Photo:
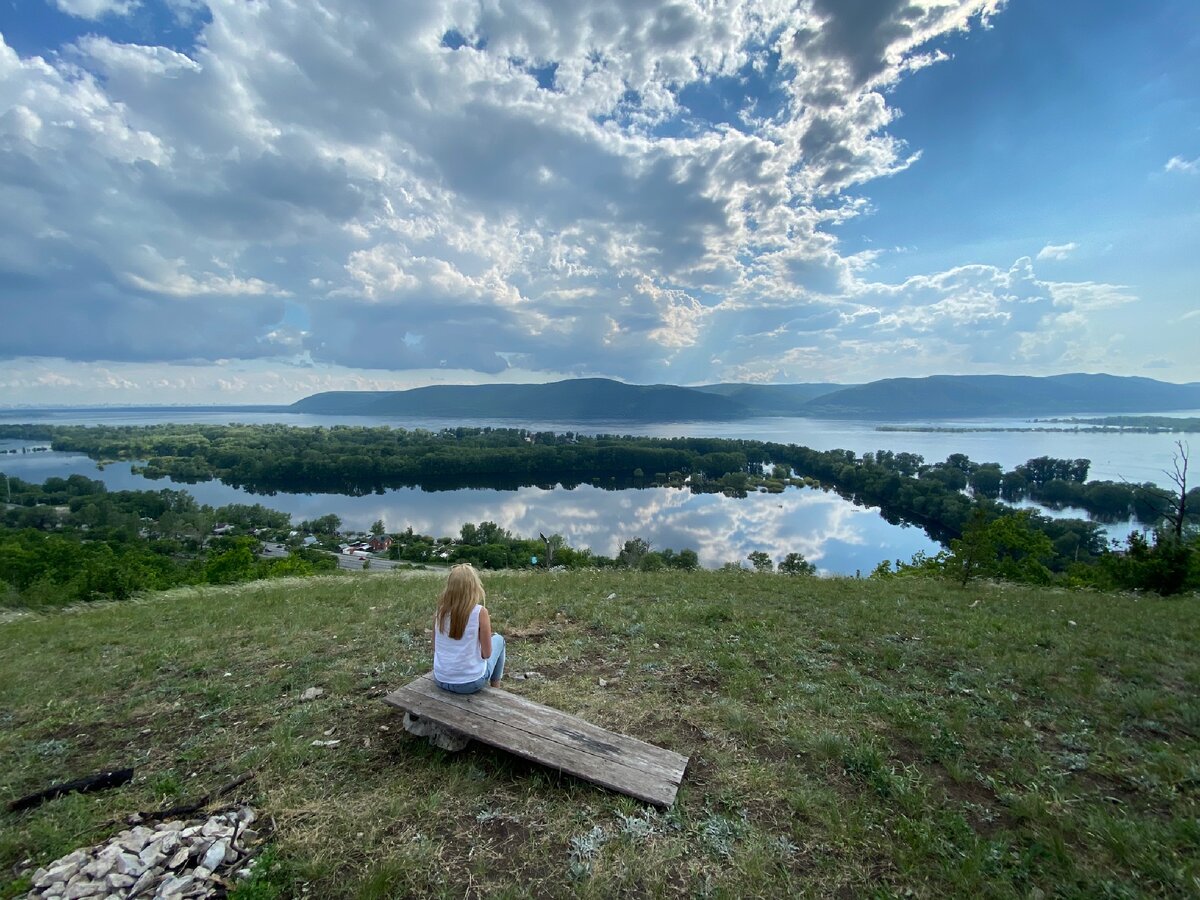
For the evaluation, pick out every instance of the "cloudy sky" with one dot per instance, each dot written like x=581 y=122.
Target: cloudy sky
x=236 y=201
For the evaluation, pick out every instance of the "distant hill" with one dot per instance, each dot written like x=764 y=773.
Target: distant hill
x=579 y=399
x=934 y=397
x=942 y=396
x=772 y=399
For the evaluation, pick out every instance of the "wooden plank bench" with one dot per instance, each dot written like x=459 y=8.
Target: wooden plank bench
x=549 y=737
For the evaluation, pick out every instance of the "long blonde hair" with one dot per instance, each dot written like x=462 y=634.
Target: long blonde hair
x=463 y=590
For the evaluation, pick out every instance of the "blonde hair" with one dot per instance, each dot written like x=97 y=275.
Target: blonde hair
x=463 y=590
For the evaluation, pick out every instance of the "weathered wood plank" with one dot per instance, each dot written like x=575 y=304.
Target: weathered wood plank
x=571 y=730
x=550 y=737
x=552 y=750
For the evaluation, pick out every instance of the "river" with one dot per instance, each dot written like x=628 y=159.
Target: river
x=837 y=536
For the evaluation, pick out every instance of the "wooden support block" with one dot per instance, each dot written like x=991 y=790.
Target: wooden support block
x=549 y=737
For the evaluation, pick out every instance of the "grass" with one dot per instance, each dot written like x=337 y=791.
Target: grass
x=847 y=737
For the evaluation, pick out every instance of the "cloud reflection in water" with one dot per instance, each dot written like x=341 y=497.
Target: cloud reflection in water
x=837 y=536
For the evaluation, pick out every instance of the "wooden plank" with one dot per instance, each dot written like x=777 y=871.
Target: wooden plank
x=550 y=737
x=555 y=738
x=536 y=717
x=554 y=750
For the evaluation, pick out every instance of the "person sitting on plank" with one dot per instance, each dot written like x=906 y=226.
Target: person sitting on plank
x=466 y=654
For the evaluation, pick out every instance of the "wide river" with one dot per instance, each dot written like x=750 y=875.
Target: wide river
x=831 y=532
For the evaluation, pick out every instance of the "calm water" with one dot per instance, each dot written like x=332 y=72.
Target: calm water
x=831 y=532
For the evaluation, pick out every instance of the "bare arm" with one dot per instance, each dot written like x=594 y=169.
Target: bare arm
x=485 y=634
x=435 y=628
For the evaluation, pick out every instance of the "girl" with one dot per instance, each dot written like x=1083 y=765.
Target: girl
x=466 y=655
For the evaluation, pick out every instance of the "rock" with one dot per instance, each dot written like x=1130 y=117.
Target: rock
x=247 y=815
x=174 y=887
x=248 y=836
x=180 y=857
x=151 y=856
x=312 y=694
x=602 y=682
x=438 y=735
x=201 y=874
x=65 y=869
x=145 y=880
x=213 y=828
x=175 y=825
x=325 y=743
x=168 y=843
x=215 y=855
x=40 y=878
x=96 y=869
x=190 y=831
x=83 y=889
x=115 y=880
x=128 y=864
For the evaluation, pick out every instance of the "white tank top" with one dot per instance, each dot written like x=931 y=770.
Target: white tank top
x=459 y=662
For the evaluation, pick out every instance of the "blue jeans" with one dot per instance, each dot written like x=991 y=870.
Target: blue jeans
x=493 y=672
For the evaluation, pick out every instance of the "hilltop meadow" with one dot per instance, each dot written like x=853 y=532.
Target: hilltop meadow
x=847 y=737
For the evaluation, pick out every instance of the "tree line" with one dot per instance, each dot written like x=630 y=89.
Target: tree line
x=943 y=498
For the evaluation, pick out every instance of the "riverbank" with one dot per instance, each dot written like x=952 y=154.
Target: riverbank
x=845 y=735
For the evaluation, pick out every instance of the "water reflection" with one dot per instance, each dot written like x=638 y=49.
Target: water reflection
x=831 y=532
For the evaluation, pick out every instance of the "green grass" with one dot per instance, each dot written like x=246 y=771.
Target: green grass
x=846 y=737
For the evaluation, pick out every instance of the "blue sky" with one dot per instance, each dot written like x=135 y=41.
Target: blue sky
x=232 y=202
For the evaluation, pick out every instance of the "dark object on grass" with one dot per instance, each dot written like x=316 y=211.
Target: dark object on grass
x=186 y=809
x=97 y=782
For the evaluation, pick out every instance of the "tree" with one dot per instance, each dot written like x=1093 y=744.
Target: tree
x=761 y=561
x=974 y=551
x=1007 y=547
x=231 y=565
x=377 y=528
x=986 y=480
x=324 y=525
x=632 y=552
x=796 y=564
x=1177 y=505
x=553 y=544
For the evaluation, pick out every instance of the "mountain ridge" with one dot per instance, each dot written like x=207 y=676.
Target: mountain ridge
x=934 y=396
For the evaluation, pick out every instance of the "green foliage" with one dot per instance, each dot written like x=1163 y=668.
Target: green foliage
x=1161 y=563
x=796 y=564
x=358 y=460
x=327 y=524
x=1006 y=547
x=761 y=561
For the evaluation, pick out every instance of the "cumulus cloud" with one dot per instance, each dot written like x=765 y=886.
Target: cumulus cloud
x=95 y=9
x=1057 y=251
x=476 y=187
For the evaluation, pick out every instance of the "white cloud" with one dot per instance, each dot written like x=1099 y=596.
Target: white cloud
x=541 y=197
x=1057 y=251
x=1179 y=164
x=95 y=9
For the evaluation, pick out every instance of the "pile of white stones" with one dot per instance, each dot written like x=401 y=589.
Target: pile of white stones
x=172 y=861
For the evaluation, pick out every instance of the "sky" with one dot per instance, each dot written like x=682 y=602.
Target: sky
x=249 y=201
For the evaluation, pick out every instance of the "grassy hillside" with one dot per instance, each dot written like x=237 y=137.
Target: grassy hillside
x=846 y=737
